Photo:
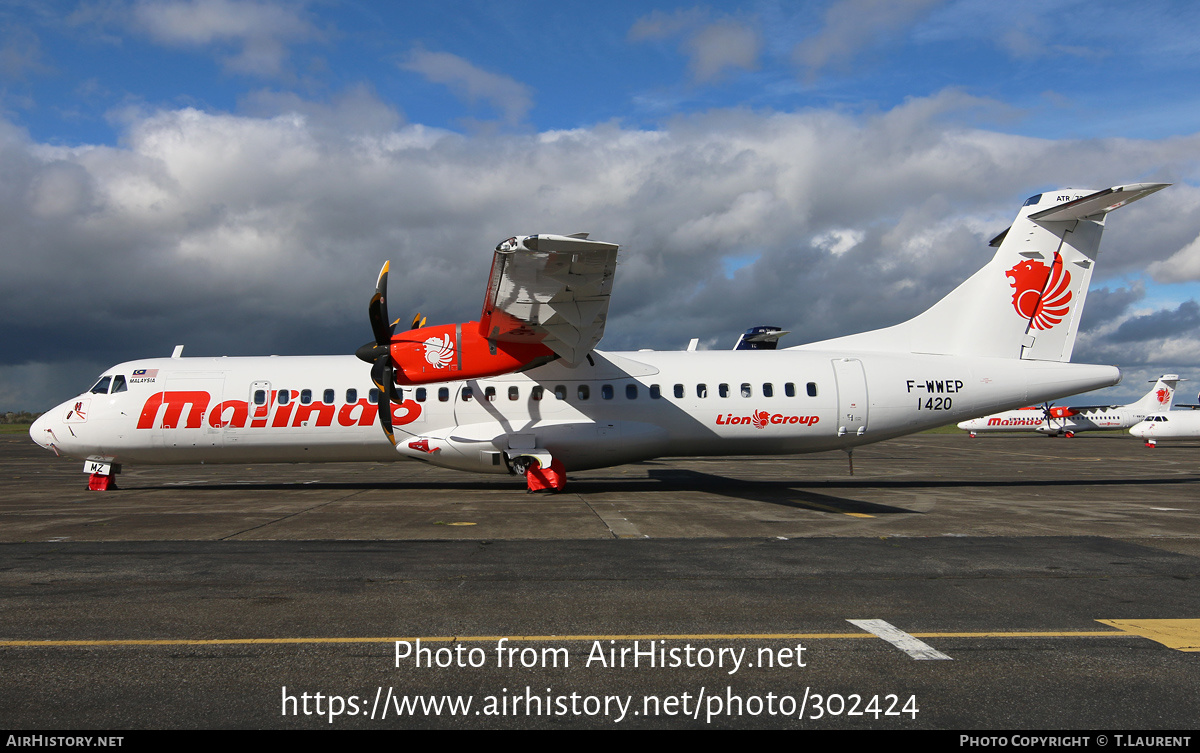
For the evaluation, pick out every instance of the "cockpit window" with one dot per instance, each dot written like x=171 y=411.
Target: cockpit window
x=118 y=384
x=1032 y=200
x=101 y=387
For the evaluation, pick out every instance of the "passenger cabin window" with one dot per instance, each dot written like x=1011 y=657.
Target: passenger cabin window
x=768 y=390
x=606 y=391
x=118 y=384
x=284 y=396
x=723 y=390
x=679 y=390
x=631 y=392
x=746 y=391
x=373 y=396
x=490 y=394
x=655 y=392
x=536 y=392
x=422 y=394
x=789 y=389
x=327 y=397
x=812 y=389
x=351 y=395
x=260 y=397
x=443 y=394
x=305 y=397
x=560 y=392
x=514 y=393
x=466 y=394
x=101 y=387
x=702 y=390
x=584 y=392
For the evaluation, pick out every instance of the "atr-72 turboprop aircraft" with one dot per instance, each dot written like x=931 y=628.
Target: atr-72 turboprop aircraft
x=524 y=383
x=1064 y=420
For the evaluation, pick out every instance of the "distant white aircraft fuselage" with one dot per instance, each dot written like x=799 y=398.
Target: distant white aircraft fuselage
x=1176 y=424
x=449 y=395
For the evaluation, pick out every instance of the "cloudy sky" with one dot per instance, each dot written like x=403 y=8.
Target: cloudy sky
x=231 y=174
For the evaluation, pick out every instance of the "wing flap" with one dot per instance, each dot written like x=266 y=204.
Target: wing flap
x=552 y=289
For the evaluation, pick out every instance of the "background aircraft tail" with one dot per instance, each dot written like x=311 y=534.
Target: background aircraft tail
x=1026 y=302
x=1161 y=396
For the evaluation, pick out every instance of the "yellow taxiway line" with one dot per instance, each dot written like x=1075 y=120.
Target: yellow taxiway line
x=1183 y=635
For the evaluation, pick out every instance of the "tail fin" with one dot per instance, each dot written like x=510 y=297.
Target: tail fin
x=1026 y=302
x=1162 y=395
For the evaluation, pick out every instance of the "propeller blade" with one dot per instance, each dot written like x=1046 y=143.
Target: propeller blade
x=377 y=309
x=418 y=321
x=385 y=420
x=381 y=375
x=378 y=354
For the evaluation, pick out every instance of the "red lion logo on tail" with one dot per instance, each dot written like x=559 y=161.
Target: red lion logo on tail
x=1029 y=278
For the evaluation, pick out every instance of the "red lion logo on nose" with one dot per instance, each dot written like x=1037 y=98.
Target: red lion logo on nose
x=1043 y=309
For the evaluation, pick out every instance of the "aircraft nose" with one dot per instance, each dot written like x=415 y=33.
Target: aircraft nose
x=39 y=431
x=1138 y=431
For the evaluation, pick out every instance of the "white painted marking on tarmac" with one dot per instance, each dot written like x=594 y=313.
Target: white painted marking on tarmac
x=914 y=647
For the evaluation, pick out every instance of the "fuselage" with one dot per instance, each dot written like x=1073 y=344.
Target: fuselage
x=615 y=408
x=1034 y=419
x=1176 y=424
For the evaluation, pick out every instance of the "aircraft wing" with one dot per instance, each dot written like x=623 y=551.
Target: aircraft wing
x=550 y=289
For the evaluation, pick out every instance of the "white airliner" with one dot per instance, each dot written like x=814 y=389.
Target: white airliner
x=1062 y=420
x=524 y=383
x=1176 y=424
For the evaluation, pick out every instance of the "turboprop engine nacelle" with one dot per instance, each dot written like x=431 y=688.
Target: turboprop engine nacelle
x=458 y=351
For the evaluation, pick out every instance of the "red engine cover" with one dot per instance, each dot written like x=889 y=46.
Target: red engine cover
x=457 y=351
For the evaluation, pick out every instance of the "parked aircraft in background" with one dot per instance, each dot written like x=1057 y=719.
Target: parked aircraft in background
x=1062 y=420
x=1176 y=424
x=523 y=387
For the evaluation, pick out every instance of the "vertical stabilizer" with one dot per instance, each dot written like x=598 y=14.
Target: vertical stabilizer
x=1026 y=302
x=1161 y=396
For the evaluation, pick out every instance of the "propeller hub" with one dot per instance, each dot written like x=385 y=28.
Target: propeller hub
x=371 y=351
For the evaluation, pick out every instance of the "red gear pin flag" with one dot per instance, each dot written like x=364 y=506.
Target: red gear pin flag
x=552 y=479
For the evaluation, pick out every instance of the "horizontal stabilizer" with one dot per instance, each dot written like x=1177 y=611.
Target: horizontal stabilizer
x=1100 y=202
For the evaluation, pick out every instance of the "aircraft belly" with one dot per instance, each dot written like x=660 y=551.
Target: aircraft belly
x=578 y=444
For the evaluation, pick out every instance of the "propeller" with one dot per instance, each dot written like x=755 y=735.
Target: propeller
x=378 y=353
